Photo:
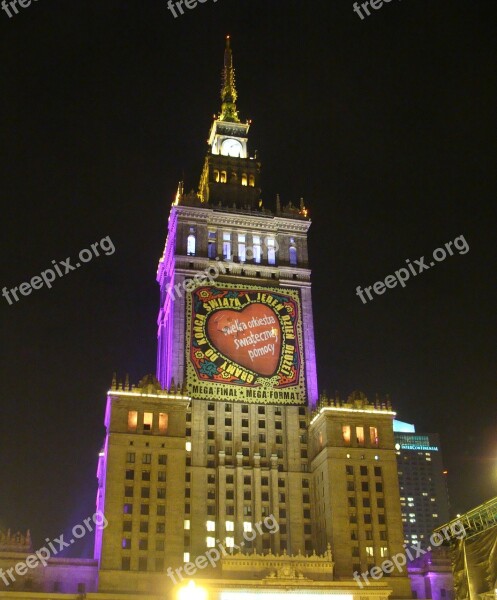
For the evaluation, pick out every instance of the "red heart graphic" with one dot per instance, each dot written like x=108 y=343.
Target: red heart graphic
x=250 y=337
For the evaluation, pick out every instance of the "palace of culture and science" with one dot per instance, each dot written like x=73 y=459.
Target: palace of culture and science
x=227 y=467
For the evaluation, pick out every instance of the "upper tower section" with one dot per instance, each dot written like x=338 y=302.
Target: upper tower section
x=230 y=177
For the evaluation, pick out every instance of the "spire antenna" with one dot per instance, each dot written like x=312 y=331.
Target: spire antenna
x=228 y=89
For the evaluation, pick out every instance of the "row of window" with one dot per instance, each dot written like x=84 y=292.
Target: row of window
x=351 y=487
x=145 y=475
x=146 y=458
x=366 y=502
x=245 y=252
x=368 y=534
x=363 y=470
x=367 y=519
x=145 y=508
x=357 y=433
x=222 y=177
x=146 y=422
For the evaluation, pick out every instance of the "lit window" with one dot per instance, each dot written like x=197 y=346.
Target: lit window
x=241 y=247
x=256 y=239
x=373 y=434
x=190 y=245
x=247 y=526
x=132 y=420
x=369 y=551
x=163 y=420
x=187 y=524
x=244 y=179
x=384 y=552
x=216 y=175
x=346 y=435
x=210 y=541
x=227 y=245
x=188 y=446
x=223 y=176
x=211 y=525
x=211 y=246
x=186 y=557
x=360 y=435
x=230 y=542
x=271 y=251
x=230 y=526
x=148 y=419
x=293 y=255
x=251 y=180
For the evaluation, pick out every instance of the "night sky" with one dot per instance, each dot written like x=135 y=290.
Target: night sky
x=386 y=126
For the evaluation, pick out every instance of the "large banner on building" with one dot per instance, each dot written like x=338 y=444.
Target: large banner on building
x=244 y=344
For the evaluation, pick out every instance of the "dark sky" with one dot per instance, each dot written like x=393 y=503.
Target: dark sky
x=385 y=126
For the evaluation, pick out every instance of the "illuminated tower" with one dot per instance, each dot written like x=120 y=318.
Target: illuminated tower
x=235 y=324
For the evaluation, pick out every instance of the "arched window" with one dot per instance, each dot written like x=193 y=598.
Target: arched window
x=216 y=175
x=223 y=176
x=190 y=245
x=251 y=180
x=293 y=255
x=244 y=178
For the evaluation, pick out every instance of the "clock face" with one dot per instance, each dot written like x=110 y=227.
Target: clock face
x=231 y=147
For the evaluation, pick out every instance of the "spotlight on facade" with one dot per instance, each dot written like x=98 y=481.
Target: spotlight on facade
x=192 y=592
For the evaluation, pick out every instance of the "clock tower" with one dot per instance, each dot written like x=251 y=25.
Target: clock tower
x=230 y=176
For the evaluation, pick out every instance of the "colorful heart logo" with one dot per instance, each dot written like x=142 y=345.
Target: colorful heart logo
x=250 y=337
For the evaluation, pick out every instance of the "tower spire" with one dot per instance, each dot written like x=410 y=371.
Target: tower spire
x=228 y=90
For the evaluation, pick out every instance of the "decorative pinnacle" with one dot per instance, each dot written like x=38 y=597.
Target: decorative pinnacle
x=228 y=89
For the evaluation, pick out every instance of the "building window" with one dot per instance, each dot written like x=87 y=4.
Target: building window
x=130 y=457
x=125 y=565
x=148 y=419
x=346 y=434
x=359 y=431
x=367 y=518
x=162 y=459
x=128 y=509
x=223 y=177
x=126 y=544
x=210 y=542
x=364 y=470
x=161 y=493
x=293 y=255
x=377 y=471
x=130 y=474
x=132 y=421
x=256 y=240
x=144 y=509
x=143 y=544
x=147 y=459
x=379 y=487
x=373 y=435
x=251 y=180
x=145 y=475
x=271 y=251
x=161 y=476
x=365 y=486
x=212 y=245
x=163 y=420
x=145 y=492
x=241 y=247
x=227 y=245
x=230 y=542
x=128 y=491
x=190 y=243
x=244 y=179
x=142 y=563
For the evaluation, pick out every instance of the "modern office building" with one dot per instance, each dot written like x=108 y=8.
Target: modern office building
x=422 y=479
